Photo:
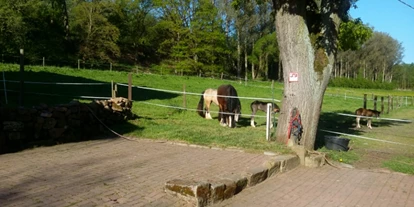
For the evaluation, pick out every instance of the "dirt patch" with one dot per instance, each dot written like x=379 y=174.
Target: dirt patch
x=373 y=159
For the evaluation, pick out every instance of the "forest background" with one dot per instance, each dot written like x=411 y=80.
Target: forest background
x=236 y=38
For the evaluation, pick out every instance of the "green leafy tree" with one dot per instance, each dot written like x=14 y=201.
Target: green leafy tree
x=265 y=50
x=97 y=36
x=353 y=34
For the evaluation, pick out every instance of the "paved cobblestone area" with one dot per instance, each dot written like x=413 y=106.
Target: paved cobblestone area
x=328 y=186
x=113 y=172
x=118 y=172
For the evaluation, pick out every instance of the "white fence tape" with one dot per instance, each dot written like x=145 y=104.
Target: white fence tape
x=362 y=137
x=399 y=120
x=197 y=94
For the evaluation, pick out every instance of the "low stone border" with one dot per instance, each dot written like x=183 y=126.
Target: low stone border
x=203 y=193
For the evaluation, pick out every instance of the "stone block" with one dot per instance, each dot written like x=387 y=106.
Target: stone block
x=230 y=188
x=256 y=175
x=273 y=167
x=216 y=192
x=239 y=180
x=315 y=160
x=49 y=123
x=287 y=162
x=13 y=126
x=194 y=192
x=301 y=152
x=56 y=132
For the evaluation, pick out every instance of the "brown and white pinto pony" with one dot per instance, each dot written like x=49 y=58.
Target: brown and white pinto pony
x=368 y=113
x=208 y=96
x=229 y=104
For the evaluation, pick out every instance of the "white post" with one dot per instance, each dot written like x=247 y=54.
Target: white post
x=268 y=121
x=5 y=90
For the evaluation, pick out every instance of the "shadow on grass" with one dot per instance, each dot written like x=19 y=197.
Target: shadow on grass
x=343 y=124
x=52 y=94
x=35 y=94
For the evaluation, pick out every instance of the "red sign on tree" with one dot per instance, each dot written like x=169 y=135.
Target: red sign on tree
x=293 y=77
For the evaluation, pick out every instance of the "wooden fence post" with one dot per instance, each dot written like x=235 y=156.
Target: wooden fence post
x=389 y=103
x=392 y=103
x=130 y=86
x=43 y=62
x=397 y=103
x=110 y=66
x=375 y=102
x=112 y=89
x=184 y=98
x=382 y=104
x=78 y=63
x=365 y=101
x=21 y=77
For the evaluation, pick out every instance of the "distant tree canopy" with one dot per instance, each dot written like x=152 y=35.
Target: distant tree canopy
x=236 y=37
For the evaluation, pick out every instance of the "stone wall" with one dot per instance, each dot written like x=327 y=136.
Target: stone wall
x=21 y=128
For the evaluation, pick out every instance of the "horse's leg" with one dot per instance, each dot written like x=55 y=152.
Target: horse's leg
x=252 y=119
x=221 y=116
x=357 y=122
x=230 y=121
x=271 y=120
x=208 y=116
x=369 y=124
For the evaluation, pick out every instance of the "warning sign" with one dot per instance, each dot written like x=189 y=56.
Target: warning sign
x=293 y=77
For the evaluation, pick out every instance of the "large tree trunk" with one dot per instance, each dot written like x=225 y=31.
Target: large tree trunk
x=298 y=55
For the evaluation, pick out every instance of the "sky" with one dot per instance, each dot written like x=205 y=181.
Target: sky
x=392 y=17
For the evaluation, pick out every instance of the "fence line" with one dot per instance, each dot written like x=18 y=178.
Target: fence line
x=398 y=120
x=368 y=138
x=197 y=94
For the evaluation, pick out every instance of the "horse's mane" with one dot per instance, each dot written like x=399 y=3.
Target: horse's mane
x=232 y=103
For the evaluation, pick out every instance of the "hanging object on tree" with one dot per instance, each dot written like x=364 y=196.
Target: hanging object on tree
x=295 y=128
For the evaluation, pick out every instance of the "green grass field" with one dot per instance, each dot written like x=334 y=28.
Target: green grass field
x=179 y=121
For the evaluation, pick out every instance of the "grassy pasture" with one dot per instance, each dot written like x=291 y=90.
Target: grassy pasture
x=184 y=125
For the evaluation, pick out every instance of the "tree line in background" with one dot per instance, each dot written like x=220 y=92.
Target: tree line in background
x=189 y=36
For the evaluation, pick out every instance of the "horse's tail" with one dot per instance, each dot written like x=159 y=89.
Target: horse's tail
x=200 y=106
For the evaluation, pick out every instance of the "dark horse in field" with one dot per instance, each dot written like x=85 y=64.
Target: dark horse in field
x=229 y=104
x=367 y=113
x=261 y=106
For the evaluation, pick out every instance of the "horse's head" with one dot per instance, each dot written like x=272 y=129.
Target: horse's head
x=276 y=108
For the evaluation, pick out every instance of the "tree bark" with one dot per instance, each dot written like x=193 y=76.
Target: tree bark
x=298 y=55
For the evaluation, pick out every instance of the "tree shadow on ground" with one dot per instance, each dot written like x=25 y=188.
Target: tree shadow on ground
x=332 y=121
x=54 y=90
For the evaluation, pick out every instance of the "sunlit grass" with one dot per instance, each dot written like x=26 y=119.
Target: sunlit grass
x=184 y=125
